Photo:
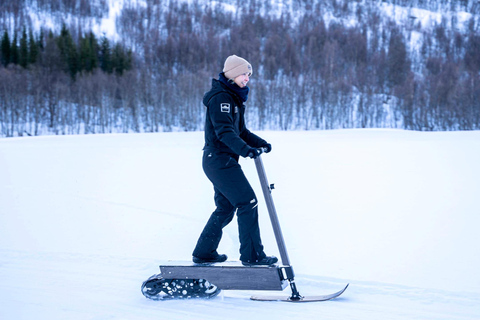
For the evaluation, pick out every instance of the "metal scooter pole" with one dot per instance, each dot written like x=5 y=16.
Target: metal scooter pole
x=267 y=189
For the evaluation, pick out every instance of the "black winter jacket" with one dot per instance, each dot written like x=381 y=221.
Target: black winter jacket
x=225 y=128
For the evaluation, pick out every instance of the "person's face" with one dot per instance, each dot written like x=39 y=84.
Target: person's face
x=242 y=80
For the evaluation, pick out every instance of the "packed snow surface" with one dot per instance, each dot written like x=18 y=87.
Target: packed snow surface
x=84 y=220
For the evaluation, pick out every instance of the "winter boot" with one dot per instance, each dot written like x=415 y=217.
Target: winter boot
x=214 y=259
x=267 y=261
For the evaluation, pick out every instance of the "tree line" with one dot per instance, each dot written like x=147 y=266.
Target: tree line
x=309 y=73
x=62 y=52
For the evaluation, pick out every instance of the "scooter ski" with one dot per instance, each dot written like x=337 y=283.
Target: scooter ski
x=188 y=280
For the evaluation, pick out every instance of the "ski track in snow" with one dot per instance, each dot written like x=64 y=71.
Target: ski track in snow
x=84 y=220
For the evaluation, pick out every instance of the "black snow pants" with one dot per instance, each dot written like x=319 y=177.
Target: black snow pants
x=232 y=193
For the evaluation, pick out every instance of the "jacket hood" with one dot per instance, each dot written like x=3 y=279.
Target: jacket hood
x=217 y=87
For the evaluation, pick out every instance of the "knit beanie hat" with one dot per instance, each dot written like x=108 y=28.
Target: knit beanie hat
x=235 y=66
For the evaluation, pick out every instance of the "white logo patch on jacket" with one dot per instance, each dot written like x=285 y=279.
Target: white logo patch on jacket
x=225 y=107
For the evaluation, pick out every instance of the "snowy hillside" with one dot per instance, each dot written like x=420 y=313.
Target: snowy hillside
x=105 y=66
x=103 y=16
x=85 y=219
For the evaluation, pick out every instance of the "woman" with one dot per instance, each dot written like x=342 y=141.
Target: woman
x=226 y=139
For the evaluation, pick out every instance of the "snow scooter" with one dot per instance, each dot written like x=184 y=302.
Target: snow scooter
x=188 y=280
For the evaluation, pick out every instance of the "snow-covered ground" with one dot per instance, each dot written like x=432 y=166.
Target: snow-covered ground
x=84 y=220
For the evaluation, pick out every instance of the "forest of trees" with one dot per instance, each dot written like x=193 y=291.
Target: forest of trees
x=309 y=72
x=63 y=54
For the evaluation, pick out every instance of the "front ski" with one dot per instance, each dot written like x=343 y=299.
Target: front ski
x=158 y=288
x=300 y=299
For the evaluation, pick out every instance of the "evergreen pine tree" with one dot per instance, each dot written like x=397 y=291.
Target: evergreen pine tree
x=23 y=57
x=68 y=52
x=88 y=53
x=84 y=55
x=129 y=60
x=33 y=49
x=105 y=56
x=121 y=59
x=93 y=51
x=14 y=54
x=41 y=41
x=5 y=49
x=118 y=59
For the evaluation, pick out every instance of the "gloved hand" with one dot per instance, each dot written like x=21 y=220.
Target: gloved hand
x=254 y=153
x=267 y=147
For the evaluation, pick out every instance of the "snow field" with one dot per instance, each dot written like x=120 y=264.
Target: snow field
x=84 y=220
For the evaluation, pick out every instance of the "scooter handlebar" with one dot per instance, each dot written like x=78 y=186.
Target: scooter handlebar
x=259 y=151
